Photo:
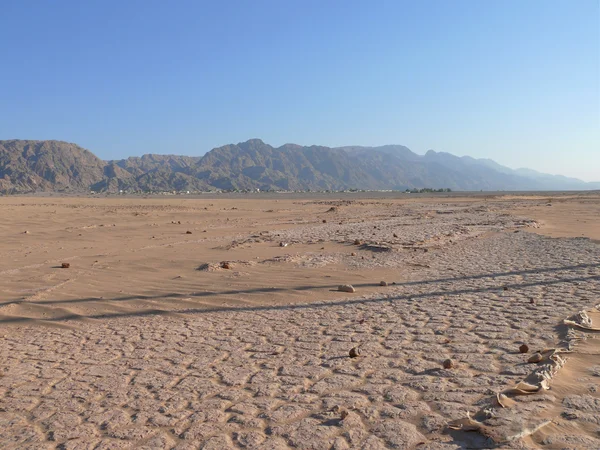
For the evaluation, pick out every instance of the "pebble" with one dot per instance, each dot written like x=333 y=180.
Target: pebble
x=524 y=348
x=354 y=352
x=225 y=265
x=448 y=364
x=346 y=288
x=65 y=265
x=535 y=358
x=188 y=232
x=383 y=283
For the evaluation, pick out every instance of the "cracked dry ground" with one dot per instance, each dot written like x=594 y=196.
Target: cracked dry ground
x=279 y=376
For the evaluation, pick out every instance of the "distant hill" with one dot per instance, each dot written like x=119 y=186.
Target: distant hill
x=38 y=166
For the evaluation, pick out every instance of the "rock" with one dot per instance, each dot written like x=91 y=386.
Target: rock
x=283 y=244
x=354 y=352
x=25 y=232
x=346 y=288
x=535 y=358
x=357 y=242
x=225 y=265
x=65 y=265
x=188 y=232
x=395 y=235
x=324 y=221
x=524 y=348
x=383 y=283
x=449 y=364
x=352 y=254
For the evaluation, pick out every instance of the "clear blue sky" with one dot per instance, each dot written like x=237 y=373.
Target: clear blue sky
x=516 y=81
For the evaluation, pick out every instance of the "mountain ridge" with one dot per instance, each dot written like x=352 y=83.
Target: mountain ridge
x=42 y=166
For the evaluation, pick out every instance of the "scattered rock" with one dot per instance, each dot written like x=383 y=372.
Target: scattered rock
x=65 y=265
x=354 y=352
x=524 y=348
x=383 y=283
x=535 y=358
x=449 y=364
x=346 y=288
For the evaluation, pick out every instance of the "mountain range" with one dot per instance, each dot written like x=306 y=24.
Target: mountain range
x=43 y=166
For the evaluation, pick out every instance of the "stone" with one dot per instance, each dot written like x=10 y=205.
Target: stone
x=65 y=265
x=449 y=364
x=346 y=288
x=524 y=348
x=383 y=283
x=188 y=232
x=357 y=242
x=535 y=358
x=225 y=265
x=354 y=352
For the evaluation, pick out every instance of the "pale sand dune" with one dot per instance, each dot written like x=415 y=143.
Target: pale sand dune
x=147 y=341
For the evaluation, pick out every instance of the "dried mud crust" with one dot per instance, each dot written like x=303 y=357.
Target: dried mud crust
x=400 y=226
x=280 y=376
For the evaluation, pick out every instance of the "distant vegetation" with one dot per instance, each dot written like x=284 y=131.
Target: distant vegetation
x=427 y=190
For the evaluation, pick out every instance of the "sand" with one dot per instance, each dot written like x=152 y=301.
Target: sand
x=216 y=322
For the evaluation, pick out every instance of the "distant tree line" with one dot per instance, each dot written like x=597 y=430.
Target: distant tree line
x=427 y=190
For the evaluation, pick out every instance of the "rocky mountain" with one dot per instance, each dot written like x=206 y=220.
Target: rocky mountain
x=27 y=166
x=35 y=166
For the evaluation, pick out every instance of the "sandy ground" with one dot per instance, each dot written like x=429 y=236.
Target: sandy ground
x=205 y=323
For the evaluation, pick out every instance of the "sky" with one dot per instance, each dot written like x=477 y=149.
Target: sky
x=516 y=81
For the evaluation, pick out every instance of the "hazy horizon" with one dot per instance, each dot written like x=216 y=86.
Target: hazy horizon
x=515 y=82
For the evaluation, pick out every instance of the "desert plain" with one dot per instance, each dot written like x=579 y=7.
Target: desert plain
x=216 y=322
